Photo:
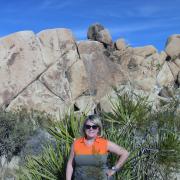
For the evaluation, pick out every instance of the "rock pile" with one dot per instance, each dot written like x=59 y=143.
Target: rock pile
x=51 y=72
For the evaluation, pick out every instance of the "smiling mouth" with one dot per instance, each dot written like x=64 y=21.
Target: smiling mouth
x=92 y=132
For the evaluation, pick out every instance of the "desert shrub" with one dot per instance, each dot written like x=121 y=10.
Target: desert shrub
x=16 y=127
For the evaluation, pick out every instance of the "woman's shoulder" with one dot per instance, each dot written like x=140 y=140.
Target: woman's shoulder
x=101 y=139
x=79 y=139
x=78 y=142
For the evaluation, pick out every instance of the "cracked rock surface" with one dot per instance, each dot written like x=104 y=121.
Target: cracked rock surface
x=50 y=71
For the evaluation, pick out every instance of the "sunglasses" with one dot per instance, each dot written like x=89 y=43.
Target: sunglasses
x=89 y=126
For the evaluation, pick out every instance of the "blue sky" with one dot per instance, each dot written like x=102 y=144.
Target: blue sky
x=139 y=22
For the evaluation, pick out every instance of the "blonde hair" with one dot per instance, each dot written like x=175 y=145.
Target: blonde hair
x=95 y=120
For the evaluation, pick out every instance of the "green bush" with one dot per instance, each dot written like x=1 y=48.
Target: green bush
x=16 y=127
x=152 y=138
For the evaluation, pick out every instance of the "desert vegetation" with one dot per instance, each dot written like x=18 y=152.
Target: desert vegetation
x=151 y=136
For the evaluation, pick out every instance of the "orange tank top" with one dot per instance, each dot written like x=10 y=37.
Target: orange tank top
x=99 y=146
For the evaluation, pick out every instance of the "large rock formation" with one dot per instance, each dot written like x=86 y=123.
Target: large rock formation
x=51 y=72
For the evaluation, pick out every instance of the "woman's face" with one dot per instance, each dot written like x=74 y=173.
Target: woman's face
x=91 y=129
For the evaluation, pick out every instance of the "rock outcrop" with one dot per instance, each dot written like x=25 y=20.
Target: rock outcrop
x=21 y=63
x=97 y=32
x=51 y=72
x=173 y=46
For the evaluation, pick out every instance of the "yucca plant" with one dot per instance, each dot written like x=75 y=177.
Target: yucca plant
x=51 y=164
x=68 y=128
x=153 y=155
x=125 y=126
x=165 y=141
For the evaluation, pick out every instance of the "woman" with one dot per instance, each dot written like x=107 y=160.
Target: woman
x=88 y=154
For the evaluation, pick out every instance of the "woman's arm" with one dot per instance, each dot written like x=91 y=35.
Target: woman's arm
x=121 y=152
x=69 y=168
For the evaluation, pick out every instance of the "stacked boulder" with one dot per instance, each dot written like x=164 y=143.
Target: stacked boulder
x=52 y=72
